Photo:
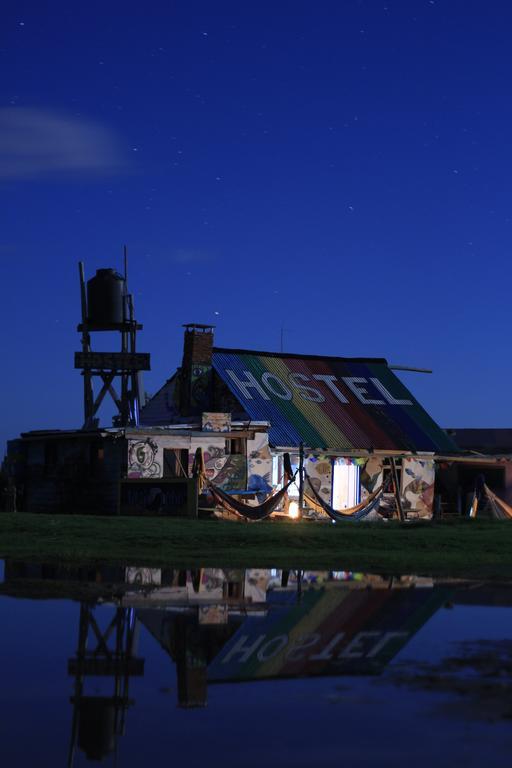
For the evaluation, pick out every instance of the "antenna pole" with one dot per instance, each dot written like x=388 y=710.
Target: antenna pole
x=82 y=291
x=86 y=347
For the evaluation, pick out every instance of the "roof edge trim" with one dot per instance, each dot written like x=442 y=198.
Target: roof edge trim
x=225 y=350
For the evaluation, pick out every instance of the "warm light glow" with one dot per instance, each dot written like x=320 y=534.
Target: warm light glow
x=293 y=510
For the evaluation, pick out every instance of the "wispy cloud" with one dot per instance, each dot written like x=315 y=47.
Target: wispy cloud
x=190 y=256
x=34 y=142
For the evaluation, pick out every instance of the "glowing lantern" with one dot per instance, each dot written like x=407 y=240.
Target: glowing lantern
x=293 y=510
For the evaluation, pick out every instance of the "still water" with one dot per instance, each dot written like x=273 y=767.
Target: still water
x=154 y=667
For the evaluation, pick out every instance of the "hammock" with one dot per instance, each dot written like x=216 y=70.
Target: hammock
x=257 y=512
x=351 y=514
x=500 y=509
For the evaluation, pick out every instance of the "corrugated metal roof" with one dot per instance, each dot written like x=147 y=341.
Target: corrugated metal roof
x=328 y=402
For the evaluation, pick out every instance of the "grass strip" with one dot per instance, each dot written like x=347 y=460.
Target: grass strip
x=462 y=548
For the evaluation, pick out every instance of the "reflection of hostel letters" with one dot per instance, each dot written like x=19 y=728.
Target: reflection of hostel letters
x=363 y=645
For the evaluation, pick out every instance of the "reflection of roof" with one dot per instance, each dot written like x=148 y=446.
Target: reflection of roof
x=329 y=402
x=337 y=631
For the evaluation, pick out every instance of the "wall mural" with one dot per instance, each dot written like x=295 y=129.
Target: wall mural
x=319 y=469
x=371 y=476
x=418 y=476
x=233 y=475
x=215 y=422
x=200 y=383
x=259 y=465
x=214 y=455
x=137 y=575
x=209 y=585
x=228 y=472
x=256 y=584
x=142 y=459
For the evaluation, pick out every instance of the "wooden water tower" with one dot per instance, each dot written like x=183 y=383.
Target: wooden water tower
x=108 y=307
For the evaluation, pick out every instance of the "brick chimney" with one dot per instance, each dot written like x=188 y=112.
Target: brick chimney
x=196 y=370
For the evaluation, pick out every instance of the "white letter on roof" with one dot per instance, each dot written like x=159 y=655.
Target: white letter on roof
x=244 y=386
x=355 y=384
x=387 y=394
x=329 y=380
x=271 y=382
x=307 y=393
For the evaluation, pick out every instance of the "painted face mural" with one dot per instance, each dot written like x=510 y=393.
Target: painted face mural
x=200 y=386
x=142 y=459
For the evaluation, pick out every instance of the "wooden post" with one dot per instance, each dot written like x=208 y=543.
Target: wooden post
x=299 y=586
x=301 y=478
x=192 y=497
x=397 y=489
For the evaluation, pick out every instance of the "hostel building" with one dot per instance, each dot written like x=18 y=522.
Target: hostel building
x=350 y=415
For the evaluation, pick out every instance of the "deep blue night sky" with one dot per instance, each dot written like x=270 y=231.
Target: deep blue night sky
x=339 y=168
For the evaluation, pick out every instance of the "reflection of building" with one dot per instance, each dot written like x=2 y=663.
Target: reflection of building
x=106 y=652
x=329 y=628
x=221 y=626
x=231 y=625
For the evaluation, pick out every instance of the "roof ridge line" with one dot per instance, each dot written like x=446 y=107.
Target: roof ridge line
x=381 y=360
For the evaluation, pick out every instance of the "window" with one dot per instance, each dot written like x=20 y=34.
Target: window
x=235 y=446
x=276 y=471
x=175 y=462
x=345 y=485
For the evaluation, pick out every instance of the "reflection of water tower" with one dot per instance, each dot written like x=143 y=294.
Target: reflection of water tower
x=107 y=306
x=107 y=653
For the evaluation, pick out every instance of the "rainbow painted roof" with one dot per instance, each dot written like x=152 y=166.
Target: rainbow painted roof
x=329 y=402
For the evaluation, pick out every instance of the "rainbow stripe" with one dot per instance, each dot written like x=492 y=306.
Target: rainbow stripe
x=329 y=403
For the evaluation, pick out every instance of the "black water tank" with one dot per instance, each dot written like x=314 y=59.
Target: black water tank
x=96 y=727
x=105 y=298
